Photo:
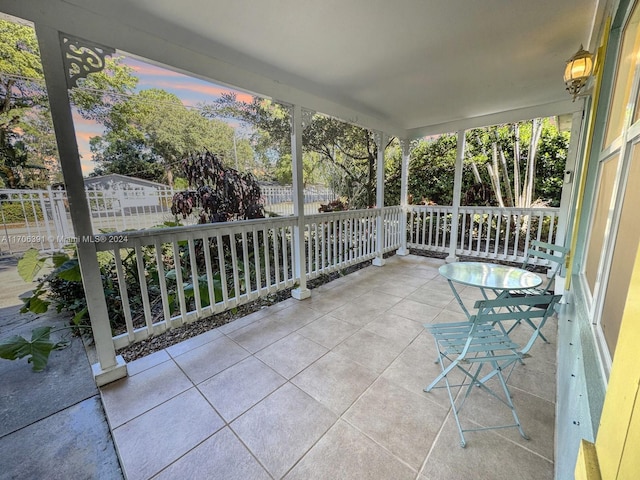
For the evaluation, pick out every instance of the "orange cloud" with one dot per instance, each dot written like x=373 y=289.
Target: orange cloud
x=203 y=89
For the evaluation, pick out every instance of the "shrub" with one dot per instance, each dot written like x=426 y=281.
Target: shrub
x=15 y=212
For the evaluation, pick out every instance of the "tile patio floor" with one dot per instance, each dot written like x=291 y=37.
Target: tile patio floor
x=330 y=387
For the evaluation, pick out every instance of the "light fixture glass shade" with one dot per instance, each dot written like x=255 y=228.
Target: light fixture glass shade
x=578 y=70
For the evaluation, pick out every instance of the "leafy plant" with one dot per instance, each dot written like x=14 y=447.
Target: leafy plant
x=222 y=193
x=63 y=285
x=37 y=349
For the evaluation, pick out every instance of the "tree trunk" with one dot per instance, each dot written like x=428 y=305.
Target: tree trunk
x=507 y=180
x=494 y=173
x=517 y=192
x=536 y=131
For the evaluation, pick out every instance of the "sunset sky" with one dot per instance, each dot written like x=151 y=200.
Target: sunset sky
x=190 y=90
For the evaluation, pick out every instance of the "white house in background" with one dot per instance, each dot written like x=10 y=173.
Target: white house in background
x=132 y=193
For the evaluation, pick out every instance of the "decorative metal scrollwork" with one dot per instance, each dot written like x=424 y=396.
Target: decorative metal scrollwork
x=82 y=57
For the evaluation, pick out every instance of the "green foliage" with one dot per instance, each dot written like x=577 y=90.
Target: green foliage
x=149 y=132
x=432 y=165
x=222 y=194
x=28 y=151
x=37 y=349
x=342 y=154
x=15 y=212
x=62 y=285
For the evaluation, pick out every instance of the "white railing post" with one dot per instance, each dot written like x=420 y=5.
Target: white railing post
x=378 y=261
x=297 y=125
x=404 y=196
x=457 y=194
x=58 y=79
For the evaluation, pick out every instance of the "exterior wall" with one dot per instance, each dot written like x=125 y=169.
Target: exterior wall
x=596 y=403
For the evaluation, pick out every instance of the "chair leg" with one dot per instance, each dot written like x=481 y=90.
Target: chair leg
x=510 y=402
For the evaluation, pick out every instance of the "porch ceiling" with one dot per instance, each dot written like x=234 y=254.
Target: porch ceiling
x=408 y=67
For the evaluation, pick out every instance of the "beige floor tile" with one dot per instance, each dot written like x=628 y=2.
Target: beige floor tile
x=281 y=428
x=404 y=423
x=449 y=316
x=416 y=311
x=262 y=333
x=194 y=342
x=537 y=417
x=205 y=361
x=356 y=313
x=345 y=453
x=132 y=396
x=291 y=355
x=146 y=362
x=326 y=300
x=487 y=455
x=393 y=287
x=431 y=297
x=394 y=327
x=296 y=316
x=438 y=284
x=406 y=278
x=535 y=377
x=335 y=381
x=415 y=368
x=221 y=456
x=370 y=350
x=328 y=331
x=152 y=441
x=238 y=388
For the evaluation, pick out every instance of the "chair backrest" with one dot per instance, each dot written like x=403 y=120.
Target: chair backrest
x=517 y=309
x=555 y=254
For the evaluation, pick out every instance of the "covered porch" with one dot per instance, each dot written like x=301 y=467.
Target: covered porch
x=329 y=387
x=460 y=86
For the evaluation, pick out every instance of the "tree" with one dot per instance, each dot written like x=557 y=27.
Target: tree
x=348 y=151
x=510 y=154
x=28 y=151
x=489 y=167
x=222 y=193
x=158 y=129
x=24 y=109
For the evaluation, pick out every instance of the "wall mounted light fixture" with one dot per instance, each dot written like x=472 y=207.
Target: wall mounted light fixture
x=578 y=70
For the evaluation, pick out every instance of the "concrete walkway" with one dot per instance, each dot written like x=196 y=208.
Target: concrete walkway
x=52 y=425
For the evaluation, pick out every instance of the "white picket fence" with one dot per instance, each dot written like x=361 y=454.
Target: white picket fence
x=40 y=218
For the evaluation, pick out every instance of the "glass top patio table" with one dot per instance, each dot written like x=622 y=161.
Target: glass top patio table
x=487 y=276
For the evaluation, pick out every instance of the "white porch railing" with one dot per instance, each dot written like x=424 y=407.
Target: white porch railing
x=169 y=277
x=487 y=232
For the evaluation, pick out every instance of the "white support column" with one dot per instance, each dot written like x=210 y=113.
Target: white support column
x=457 y=194
x=378 y=261
x=404 y=196
x=297 y=125
x=57 y=77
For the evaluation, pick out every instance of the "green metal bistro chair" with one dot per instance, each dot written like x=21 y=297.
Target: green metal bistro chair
x=481 y=350
x=537 y=251
x=555 y=255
